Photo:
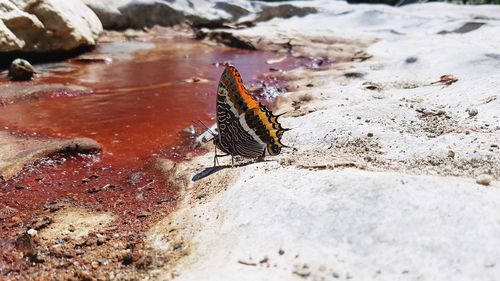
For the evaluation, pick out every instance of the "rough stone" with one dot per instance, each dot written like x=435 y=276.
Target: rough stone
x=17 y=28
x=122 y=14
x=47 y=25
x=16 y=152
x=283 y=11
x=108 y=13
x=484 y=179
x=234 y=10
x=139 y=14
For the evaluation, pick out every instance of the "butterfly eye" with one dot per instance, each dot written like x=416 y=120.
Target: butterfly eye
x=275 y=149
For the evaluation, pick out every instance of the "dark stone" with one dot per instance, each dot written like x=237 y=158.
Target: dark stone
x=411 y=59
x=354 y=75
x=234 y=10
x=24 y=244
x=467 y=27
x=141 y=15
x=230 y=40
x=283 y=11
x=21 y=70
x=201 y=196
x=387 y=2
x=127 y=259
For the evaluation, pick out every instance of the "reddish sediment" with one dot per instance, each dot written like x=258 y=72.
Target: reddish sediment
x=140 y=103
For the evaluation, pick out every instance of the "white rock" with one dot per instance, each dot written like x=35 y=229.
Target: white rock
x=347 y=222
x=47 y=25
x=484 y=179
x=32 y=232
x=396 y=224
x=17 y=28
x=122 y=14
x=109 y=14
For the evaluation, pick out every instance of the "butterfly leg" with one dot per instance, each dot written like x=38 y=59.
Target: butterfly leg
x=216 y=160
x=232 y=161
x=261 y=158
x=215 y=157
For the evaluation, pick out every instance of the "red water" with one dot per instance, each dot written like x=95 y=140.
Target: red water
x=140 y=104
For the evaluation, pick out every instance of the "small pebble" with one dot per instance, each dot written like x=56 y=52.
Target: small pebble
x=32 y=232
x=303 y=271
x=411 y=59
x=127 y=259
x=21 y=70
x=95 y=265
x=451 y=153
x=484 y=179
x=370 y=135
x=144 y=214
x=177 y=246
x=472 y=111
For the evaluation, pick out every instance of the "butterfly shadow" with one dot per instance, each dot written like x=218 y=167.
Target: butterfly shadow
x=212 y=170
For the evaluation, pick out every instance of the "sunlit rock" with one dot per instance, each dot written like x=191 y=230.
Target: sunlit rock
x=122 y=14
x=109 y=14
x=47 y=25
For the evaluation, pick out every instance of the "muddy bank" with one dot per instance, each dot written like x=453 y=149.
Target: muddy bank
x=91 y=212
x=17 y=152
x=393 y=143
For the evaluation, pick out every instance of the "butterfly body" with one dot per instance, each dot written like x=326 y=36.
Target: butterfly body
x=245 y=126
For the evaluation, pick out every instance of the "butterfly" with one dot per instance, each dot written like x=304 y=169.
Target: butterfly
x=245 y=126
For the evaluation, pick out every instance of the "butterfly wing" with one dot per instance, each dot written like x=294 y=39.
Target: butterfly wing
x=246 y=127
x=235 y=137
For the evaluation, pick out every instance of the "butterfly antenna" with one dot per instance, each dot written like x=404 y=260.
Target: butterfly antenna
x=286 y=146
x=281 y=114
x=206 y=127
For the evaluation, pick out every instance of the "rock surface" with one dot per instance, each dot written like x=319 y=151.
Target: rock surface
x=122 y=14
x=46 y=26
x=17 y=152
x=108 y=13
x=383 y=183
x=74 y=224
x=344 y=222
x=283 y=11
